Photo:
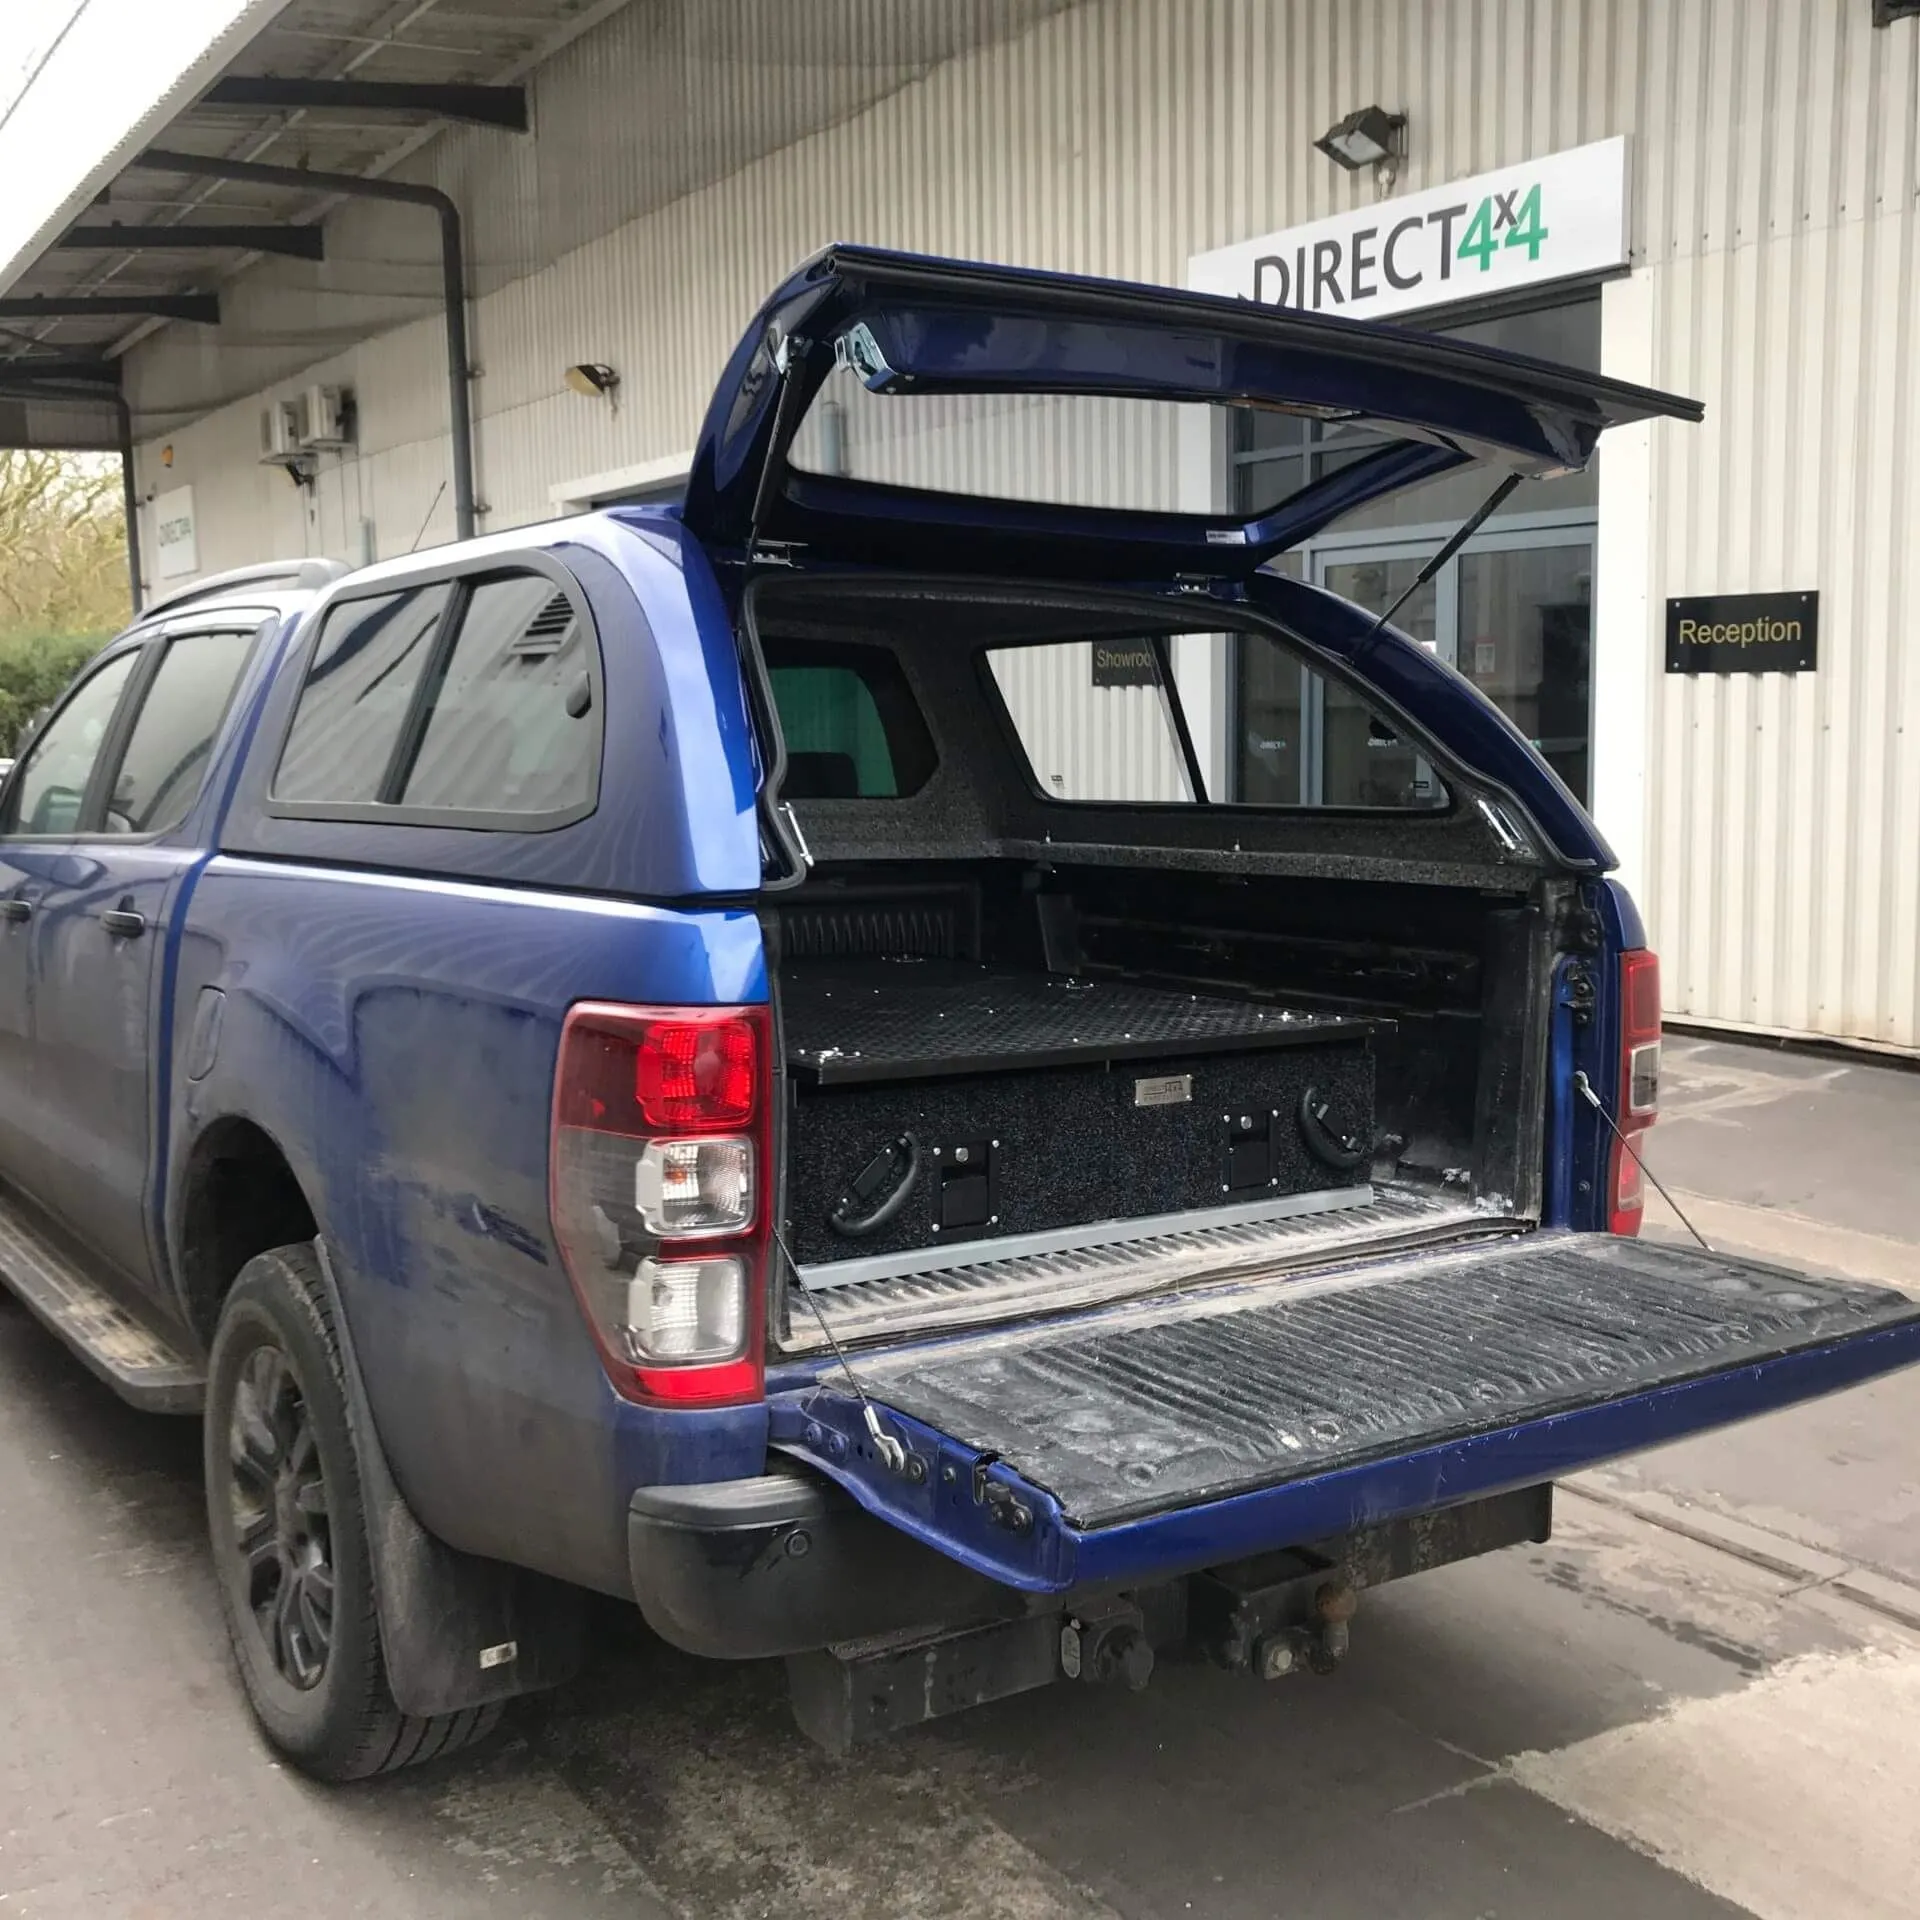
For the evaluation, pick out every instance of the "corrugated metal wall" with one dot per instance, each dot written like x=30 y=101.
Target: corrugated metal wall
x=1773 y=149
x=1779 y=232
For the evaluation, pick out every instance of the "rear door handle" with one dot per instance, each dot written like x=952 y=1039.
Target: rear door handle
x=16 y=910
x=122 y=924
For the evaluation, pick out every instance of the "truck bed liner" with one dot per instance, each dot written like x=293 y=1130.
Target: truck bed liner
x=1168 y=1405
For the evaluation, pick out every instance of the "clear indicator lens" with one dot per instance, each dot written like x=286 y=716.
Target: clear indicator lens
x=1629 y=1185
x=1643 y=1078
x=695 y=1186
x=681 y=1311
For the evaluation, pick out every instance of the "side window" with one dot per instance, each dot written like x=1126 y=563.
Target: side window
x=49 y=787
x=487 y=709
x=510 y=728
x=1092 y=720
x=160 y=772
x=1095 y=724
x=852 y=729
x=371 y=657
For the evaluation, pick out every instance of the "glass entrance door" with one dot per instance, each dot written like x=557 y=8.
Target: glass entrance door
x=1514 y=613
x=1524 y=635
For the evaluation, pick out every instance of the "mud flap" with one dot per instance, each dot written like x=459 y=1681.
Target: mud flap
x=1141 y=1441
x=456 y=1631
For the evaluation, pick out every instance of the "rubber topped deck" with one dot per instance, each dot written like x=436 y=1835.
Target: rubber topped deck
x=920 y=1019
x=1181 y=1402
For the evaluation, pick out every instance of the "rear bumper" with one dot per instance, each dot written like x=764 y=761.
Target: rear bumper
x=787 y=1563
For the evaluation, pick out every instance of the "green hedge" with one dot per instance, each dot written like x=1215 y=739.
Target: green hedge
x=34 y=668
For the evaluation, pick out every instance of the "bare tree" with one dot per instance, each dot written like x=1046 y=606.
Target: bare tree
x=63 y=545
x=63 y=576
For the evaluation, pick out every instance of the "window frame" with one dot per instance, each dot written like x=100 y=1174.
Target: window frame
x=92 y=800
x=1236 y=631
x=461 y=577
x=255 y=624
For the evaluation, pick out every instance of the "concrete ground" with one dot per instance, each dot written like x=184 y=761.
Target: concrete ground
x=1699 y=1699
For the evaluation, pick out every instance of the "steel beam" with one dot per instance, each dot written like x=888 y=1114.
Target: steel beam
x=504 y=107
x=297 y=243
x=204 y=307
x=30 y=367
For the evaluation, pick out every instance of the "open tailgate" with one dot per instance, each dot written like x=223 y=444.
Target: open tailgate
x=1171 y=1434
x=920 y=333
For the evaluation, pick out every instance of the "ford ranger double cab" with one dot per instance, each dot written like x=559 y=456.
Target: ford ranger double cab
x=925 y=1064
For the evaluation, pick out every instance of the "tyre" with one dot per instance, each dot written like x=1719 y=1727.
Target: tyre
x=289 y=1535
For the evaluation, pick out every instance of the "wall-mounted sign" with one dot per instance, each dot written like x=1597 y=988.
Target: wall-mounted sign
x=176 y=545
x=1123 y=663
x=1744 y=633
x=1547 y=219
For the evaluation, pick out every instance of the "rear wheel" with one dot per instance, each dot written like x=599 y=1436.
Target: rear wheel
x=289 y=1535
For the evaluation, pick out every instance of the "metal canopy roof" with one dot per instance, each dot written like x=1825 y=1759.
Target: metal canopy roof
x=354 y=87
x=157 y=246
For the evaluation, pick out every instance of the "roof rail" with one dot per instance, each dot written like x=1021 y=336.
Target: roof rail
x=297 y=576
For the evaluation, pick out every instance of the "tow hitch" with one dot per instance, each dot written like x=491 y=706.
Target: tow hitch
x=1276 y=1614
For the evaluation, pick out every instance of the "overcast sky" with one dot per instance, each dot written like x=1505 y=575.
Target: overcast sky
x=27 y=29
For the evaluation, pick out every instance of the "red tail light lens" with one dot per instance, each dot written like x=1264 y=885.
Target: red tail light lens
x=659 y=1176
x=1638 y=1098
x=698 y=1073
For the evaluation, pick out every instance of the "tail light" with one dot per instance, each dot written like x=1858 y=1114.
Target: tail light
x=1639 y=1089
x=661 y=1194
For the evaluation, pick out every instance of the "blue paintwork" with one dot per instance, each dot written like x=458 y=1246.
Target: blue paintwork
x=93 y=1048
x=396 y=1037
x=922 y=325
x=1561 y=1204
x=1053 y=1556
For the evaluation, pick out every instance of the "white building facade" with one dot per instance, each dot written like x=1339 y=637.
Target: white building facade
x=1727 y=205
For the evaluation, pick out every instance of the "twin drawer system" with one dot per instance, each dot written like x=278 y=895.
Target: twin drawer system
x=943 y=1110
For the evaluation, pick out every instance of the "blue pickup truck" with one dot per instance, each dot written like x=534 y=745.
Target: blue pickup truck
x=967 y=1085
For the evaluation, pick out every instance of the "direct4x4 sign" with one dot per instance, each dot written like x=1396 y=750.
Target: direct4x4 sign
x=1550 y=219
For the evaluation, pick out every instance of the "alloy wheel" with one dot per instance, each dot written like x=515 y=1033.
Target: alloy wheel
x=279 y=1514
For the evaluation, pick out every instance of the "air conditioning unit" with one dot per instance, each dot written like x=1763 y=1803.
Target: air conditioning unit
x=279 y=431
x=326 y=417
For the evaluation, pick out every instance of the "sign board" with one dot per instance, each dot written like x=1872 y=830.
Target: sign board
x=1542 y=220
x=176 y=545
x=1743 y=633
x=1124 y=663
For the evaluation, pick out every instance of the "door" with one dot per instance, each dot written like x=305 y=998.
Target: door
x=40 y=813
x=1514 y=614
x=98 y=931
x=1525 y=637
x=1305 y=740
x=1126 y=1445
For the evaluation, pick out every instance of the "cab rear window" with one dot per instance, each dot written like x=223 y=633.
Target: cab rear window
x=852 y=728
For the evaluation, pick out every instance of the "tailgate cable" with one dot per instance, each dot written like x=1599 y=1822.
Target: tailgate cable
x=1584 y=1087
x=893 y=1456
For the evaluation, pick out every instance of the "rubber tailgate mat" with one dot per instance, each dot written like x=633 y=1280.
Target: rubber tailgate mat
x=1179 y=1402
